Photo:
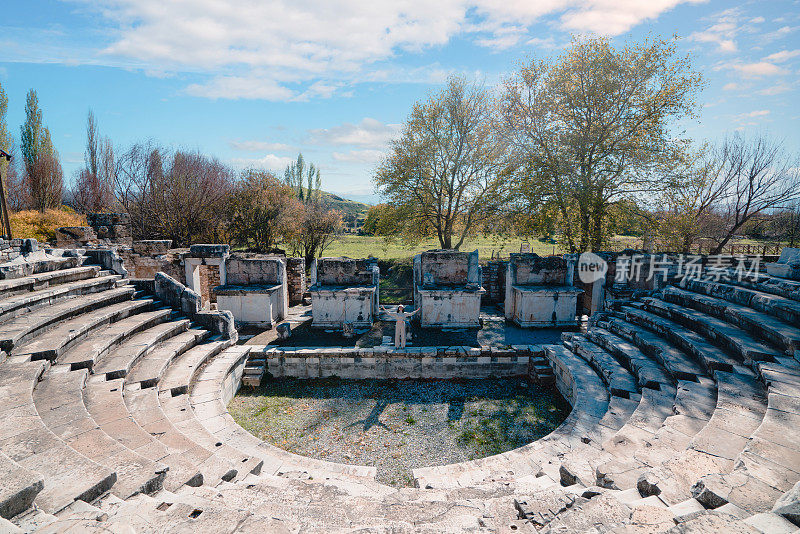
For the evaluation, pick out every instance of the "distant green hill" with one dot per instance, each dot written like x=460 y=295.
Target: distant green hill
x=347 y=207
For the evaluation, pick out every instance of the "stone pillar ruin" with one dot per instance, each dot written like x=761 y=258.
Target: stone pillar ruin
x=447 y=288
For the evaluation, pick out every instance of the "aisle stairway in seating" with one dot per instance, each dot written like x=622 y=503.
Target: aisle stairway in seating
x=686 y=416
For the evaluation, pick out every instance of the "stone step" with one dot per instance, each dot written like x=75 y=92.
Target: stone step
x=728 y=336
x=105 y=339
x=67 y=474
x=43 y=280
x=181 y=370
x=771 y=285
x=649 y=372
x=104 y=402
x=619 y=380
x=680 y=365
x=741 y=405
x=21 y=329
x=762 y=325
x=179 y=411
x=118 y=362
x=18 y=487
x=711 y=357
x=59 y=401
x=782 y=308
x=13 y=306
x=144 y=407
x=52 y=344
x=149 y=369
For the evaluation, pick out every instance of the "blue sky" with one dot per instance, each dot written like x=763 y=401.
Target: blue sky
x=253 y=82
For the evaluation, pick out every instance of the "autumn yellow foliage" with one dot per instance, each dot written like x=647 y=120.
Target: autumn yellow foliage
x=42 y=226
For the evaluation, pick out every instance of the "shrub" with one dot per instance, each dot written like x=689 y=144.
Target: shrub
x=42 y=226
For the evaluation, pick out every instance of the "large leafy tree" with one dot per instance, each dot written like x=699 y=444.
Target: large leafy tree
x=593 y=128
x=262 y=211
x=444 y=175
x=43 y=172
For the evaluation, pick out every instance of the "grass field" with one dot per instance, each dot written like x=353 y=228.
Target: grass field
x=357 y=246
x=361 y=246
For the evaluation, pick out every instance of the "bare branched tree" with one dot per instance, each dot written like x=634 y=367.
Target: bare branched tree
x=94 y=185
x=749 y=177
x=179 y=196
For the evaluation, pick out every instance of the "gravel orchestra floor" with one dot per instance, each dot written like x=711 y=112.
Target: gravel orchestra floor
x=398 y=425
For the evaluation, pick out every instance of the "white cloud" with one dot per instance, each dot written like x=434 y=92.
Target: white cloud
x=758 y=69
x=783 y=55
x=258 y=146
x=751 y=118
x=270 y=162
x=731 y=86
x=614 y=17
x=776 y=89
x=244 y=87
x=369 y=133
x=367 y=156
x=723 y=32
x=285 y=50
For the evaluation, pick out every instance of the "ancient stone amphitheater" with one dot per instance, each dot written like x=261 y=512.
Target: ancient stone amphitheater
x=686 y=418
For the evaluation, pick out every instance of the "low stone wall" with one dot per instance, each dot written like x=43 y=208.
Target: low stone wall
x=9 y=249
x=391 y=363
x=180 y=297
x=113 y=227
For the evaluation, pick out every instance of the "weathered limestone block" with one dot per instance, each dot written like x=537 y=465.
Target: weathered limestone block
x=178 y=296
x=344 y=291
x=209 y=251
x=447 y=289
x=256 y=291
x=152 y=247
x=113 y=227
x=787 y=266
x=539 y=291
x=788 y=505
x=75 y=236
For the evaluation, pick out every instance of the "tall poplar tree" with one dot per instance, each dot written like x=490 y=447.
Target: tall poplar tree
x=43 y=171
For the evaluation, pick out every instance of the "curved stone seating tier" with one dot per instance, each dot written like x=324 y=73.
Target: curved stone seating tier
x=22 y=328
x=618 y=379
x=766 y=327
x=649 y=373
x=67 y=475
x=676 y=362
x=733 y=339
x=104 y=402
x=104 y=339
x=59 y=401
x=24 y=302
x=164 y=341
x=51 y=344
x=144 y=407
x=783 y=308
x=39 y=281
x=692 y=343
x=769 y=284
